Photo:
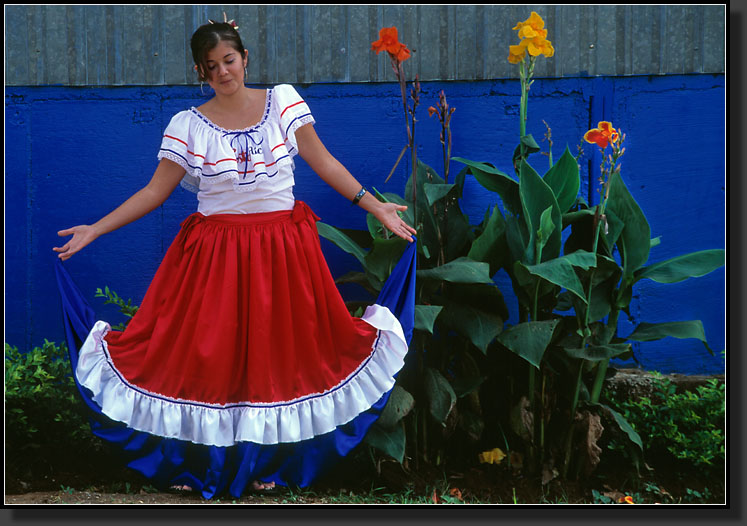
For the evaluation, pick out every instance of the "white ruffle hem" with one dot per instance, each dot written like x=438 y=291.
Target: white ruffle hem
x=262 y=423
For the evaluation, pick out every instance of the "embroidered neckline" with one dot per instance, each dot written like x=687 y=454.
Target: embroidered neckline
x=265 y=115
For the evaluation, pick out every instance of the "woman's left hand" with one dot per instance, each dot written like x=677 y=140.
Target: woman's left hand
x=388 y=215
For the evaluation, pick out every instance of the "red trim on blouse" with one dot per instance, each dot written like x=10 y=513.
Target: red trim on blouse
x=197 y=154
x=288 y=107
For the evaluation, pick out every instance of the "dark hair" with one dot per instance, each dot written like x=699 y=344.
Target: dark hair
x=207 y=37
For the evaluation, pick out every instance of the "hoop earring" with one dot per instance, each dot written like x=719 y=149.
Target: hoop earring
x=201 y=88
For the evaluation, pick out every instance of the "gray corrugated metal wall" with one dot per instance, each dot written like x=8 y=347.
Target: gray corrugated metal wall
x=148 y=45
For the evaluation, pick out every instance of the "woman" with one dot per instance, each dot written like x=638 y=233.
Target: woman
x=242 y=362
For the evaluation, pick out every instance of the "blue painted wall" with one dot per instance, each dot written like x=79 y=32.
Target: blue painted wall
x=73 y=154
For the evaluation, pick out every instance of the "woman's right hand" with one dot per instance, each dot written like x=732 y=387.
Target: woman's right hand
x=82 y=236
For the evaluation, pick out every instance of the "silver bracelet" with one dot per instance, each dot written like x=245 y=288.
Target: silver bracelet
x=359 y=195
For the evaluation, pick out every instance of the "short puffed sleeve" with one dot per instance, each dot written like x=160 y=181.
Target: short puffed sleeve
x=198 y=149
x=292 y=112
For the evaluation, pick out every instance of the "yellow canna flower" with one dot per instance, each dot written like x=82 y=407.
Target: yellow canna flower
x=533 y=39
x=540 y=46
x=529 y=27
x=517 y=53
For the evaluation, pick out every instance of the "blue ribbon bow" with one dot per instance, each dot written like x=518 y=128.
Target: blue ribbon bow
x=235 y=143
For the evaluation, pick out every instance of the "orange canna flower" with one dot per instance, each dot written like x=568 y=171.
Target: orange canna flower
x=602 y=135
x=389 y=42
x=403 y=53
x=627 y=499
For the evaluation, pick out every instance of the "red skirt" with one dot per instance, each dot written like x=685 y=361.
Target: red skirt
x=243 y=335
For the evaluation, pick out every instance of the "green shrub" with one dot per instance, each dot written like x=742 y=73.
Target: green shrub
x=688 y=426
x=45 y=420
x=125 y=307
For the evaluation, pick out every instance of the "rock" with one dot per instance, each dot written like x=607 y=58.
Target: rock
x=635 y=383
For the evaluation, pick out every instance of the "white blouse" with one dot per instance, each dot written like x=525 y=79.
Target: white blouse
x=239 y=171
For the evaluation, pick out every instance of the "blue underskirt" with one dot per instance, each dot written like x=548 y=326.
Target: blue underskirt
x=214 y=470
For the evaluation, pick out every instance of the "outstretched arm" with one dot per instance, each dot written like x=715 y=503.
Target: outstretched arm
x=312 y=150
x=151 y=196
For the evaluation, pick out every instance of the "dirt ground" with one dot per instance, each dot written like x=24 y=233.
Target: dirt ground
x=484 y=484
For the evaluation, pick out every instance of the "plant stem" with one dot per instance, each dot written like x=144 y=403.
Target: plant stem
x=542 y=415
x=602 y=368
x=574 y=404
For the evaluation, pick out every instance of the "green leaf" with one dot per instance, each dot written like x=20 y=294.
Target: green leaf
x=375 y=228
x=441 y=396
x=490 y=246
x=571 y=217
x=680 y=268
x=391 y=443
x=634 y=437
x=646 y=332
x=427 y=220
x=461 y=270
x=615 y=227
x=564 y=180
x=536 y=197
x=546 y=228
x=458 y=231
x=341 y=240
x=599 y=353
x=530 y=147
x=529 y=339
x=559 y=272
x=400 y=403
x=581 y=259
x=468 y=376
x=478 y=325
x=495 y=181
x=436 y=192
x=425 y=316
x=383 y=257
x=635 y=239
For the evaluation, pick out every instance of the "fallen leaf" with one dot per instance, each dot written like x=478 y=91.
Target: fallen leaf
x=548 y=473
x=494 y=456
x=591 y=428
x=522 y=419
x=614 y=495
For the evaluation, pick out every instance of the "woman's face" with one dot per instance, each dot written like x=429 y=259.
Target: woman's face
x=225 y=68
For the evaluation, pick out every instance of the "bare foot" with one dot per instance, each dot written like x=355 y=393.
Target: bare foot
x=183 y=487
x=262 y=486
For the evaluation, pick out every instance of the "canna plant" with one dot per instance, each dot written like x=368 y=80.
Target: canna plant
x=590 y=275
x=459 y=308
x=570 y=288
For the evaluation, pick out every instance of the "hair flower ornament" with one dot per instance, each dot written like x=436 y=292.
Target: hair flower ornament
x=231 y=22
